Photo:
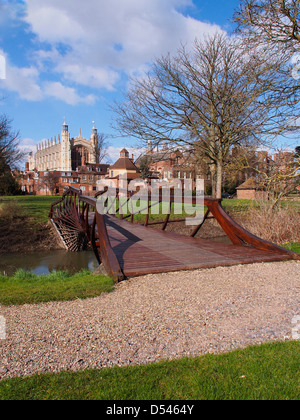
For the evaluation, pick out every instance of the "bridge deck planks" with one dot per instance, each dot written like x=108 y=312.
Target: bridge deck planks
x=142 y=250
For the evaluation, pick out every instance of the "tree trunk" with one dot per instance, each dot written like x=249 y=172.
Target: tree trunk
x=213 y=173
x=219 y=180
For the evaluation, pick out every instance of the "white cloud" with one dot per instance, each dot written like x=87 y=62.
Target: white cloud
x=52 y=22
x=22 y=80
x=26 y=82
x=107 y=37
x=114 y=152
x=27 y=145
x=93 y=46
x=67 y=94
x=94 y=77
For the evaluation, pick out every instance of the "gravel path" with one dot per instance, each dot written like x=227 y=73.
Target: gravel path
x=154 y=317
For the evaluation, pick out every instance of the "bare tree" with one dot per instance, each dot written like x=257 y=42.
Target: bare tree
x=207 y=101
x=270 y=21
x=274 y=25
x=282 y=176
x=10 y=154
x=51 y=181
x=101 y=151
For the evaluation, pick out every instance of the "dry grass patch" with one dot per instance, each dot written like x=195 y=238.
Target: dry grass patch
x=280 y=225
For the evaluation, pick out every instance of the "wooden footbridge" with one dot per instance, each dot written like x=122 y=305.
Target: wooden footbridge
x=125 y=248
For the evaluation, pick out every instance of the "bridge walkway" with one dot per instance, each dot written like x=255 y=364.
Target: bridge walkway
x=143 y=250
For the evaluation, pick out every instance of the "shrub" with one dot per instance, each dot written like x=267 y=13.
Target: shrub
x=279 y=225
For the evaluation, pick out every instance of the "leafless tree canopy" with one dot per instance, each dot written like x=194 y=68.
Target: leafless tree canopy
x=208 y=100
x=102 y=147
x=10 y=154
x=51 y=181
x=271 y=21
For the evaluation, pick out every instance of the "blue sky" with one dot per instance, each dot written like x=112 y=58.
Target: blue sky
x=73 y=58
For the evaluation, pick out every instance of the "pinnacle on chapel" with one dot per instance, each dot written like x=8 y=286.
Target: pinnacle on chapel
x=65 y=126
x=94 y=129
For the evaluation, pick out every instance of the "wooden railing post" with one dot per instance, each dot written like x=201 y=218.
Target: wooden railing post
x=107 y=255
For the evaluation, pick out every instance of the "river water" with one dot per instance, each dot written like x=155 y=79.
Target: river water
x=45 y=262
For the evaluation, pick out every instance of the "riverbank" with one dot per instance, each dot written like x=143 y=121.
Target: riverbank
x=22 y=233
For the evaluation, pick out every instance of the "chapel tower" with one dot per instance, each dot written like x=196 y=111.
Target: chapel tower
x=65 y=155
x=94 y=156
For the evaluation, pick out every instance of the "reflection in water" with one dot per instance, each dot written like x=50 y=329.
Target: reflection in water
x=45 y=262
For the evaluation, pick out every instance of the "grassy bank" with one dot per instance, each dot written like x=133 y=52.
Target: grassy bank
x=268 y=372
x=24 y=225
x=35 y=207
x=27 y=288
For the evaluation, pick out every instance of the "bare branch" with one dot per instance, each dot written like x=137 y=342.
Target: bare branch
x=211 y=99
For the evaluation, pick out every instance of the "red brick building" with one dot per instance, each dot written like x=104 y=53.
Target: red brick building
x=87 y=177
x=171 y=164
x=55 y=182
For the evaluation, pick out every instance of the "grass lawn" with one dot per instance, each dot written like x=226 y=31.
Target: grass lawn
x=240 y=206
x=159 y=211
x=36 y=207
x=267 y=372
x=29 y=288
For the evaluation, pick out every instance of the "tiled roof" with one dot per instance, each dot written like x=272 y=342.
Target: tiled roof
x=250 y=184
x=124 y=163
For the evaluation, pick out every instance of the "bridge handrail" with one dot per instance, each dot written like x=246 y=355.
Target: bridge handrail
x=74 y=191
x=73 y=198
x=104 y=252
x=235 y=232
